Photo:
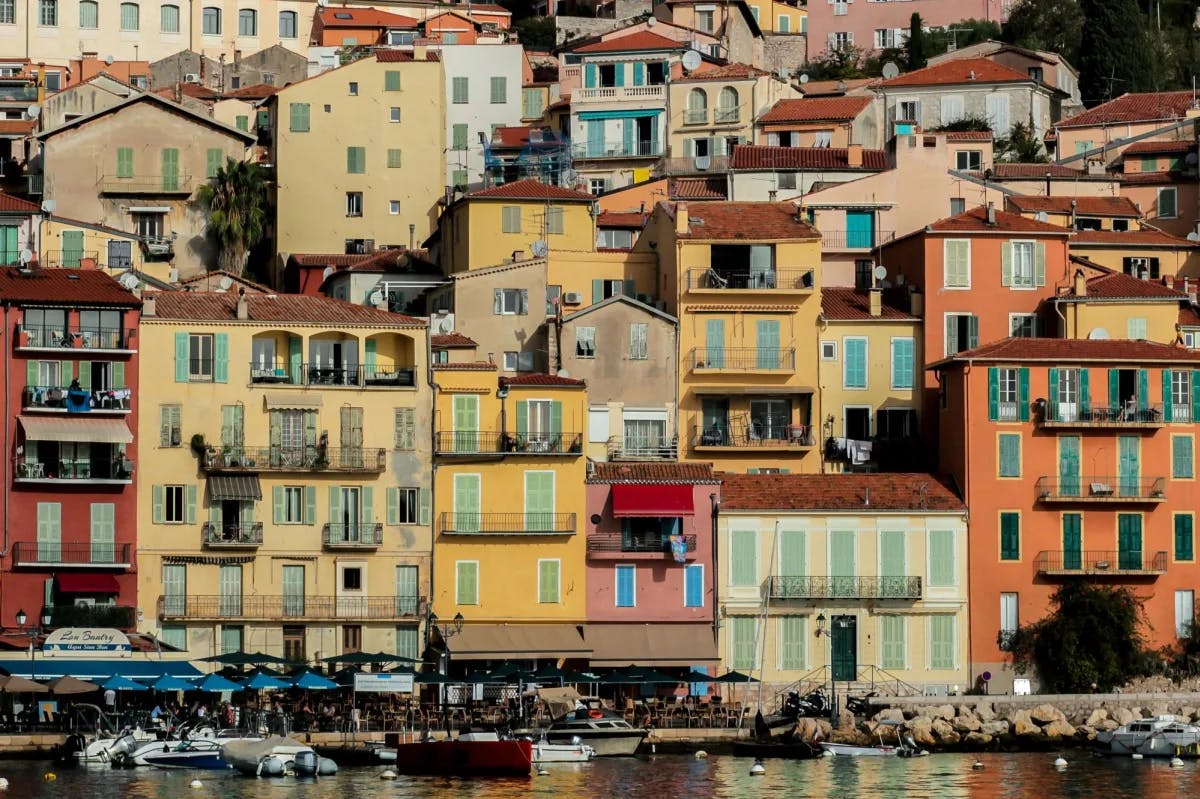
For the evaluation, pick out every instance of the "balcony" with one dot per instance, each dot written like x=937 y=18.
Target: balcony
x=597 y=150
x=14 y=93
x=758 y=435
x=354 y=376
x=232 y=535
x=284 y=608
x=483 y=442
x=56 y=399
x=72 y=472
x=94 y=340
x=146 y=184
x=773 y=280
x=844 y=587
x=641 y=448
x=121 y=617
x=363 y=535
x=696 y=165
x=727 y=116
x=1090 y=488
x=855 y=239
x=295 y=459
x=69 y=258
x=43 y=555
x=507 y=523
x=618 y=546
x=1070 y=415
x=606 y=94
x=1057 y=563
x=743 y=359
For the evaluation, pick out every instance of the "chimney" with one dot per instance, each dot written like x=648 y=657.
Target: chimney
x=875 y=298
x=1095 y=166
x=419 y=52
x=149 y=305
x=681 y=218
x=854 y=155
x=1080 y=286
x=243 y=308
x=916 y=304
x=991 y=213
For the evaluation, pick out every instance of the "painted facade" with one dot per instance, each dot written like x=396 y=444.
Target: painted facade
x=483 y=91
x=875 y=26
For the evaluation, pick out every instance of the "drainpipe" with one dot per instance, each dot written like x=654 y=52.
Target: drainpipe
x=966 y=473
x=715 y=501
x=433 y=466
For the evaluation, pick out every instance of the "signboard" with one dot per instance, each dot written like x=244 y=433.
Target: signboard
x=383 y=683
x=89 y=640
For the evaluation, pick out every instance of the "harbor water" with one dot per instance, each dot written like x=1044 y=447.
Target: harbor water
x=936 y=777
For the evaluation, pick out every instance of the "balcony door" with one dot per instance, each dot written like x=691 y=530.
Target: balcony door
x=293 y=591
x=1065 y=394
x=174 y=576
x=466 y=503
x=345 y=514
x=231 y=590
x=466 y=422
x=1072 y=541
x=1068 y=466
x=770 y=419
x=1129 y=468
x=842 y=566
x=352 y=437
x=860 y=229
x=1129 y=541
x=715 y=422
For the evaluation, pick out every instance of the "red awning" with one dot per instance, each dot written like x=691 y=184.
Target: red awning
x=87 y=584
x=652 y=500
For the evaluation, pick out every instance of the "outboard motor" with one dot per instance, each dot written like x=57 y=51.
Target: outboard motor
x=305 y=763
x=70 y=749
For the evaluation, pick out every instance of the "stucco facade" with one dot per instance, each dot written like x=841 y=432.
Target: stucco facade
x=483 y=90
x=838 y=24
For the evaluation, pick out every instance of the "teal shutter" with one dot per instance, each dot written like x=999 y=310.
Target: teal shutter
x=1183 y=537
x=626 y=579
x=1023 y=394
x=1010 y=455
x=1010 y=536
x=1072 y=524
x=1166 y=396
x=1196 y=396
x=597 y=291
x=1181 y=458
x=1085 y=397
x=855 y=363
x=1143 y=389
x=639 y=73
x=972 y=332
x=693 y=585
x=941 y=558
x=370 y=357
x=842 y=563
x=767 y=344
x=1052 y=378
x=627 y=137
x=1114 y=390
x=589 y=76
x=221 y=357
x=278 y=504
x=903 y=363
x=1068 y=466
x=1129 y=541
x=714 y=341
x=181 y=358
x=993 y=393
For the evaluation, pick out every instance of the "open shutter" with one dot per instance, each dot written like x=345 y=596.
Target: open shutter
x=393 y=506
x=181 y=358
x=1023 y=394
x=972 y=332
x=1039 y=263
x=993 y=394
x=368 y=506
x=522 y=419
x=278 y=502
x=1143 y=389
x=1114 y=390
x=1166 y=395
x=158 y=503
x=1006 y=259
x=424 y=499
x=1085 y=399
x=335 y=504
x=310 y=504
x=190 y=504
x=1196 y=396
x=221 y=358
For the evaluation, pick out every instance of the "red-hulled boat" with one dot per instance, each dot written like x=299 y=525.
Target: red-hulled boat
x=470 y=755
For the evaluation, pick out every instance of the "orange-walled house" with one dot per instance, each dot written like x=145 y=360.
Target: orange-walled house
x=1156 y=176
x=357 y=27
x=821 y=122
x=1077 y=460
x=452 y=27
x=1094 y=132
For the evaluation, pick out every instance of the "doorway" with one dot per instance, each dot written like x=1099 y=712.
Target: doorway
x=844 y=643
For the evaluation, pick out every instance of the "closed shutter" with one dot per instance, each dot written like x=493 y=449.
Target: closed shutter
x=170 y=169
x=213 y=162
x=406 y=590
x=174 y=577
x=743 y=567
x=842 y=560
x=391 y=80
x=459 y=137
x=714 y=342
x=1181 y=458
x=499 y=90
x=791 y=642
x=231 y=590
x=49 y=532
x=103 y=532
x=394 y=160
x=637 y=341
x=293 y=590
x=1010 y=455
x=466 y=503
x=792 y=555
x=626 y=580
x=941 y=642
x=855 y=365
x=511 y=218
x=356 y=160
x=466 y=422
x=693 y=586
x=548 y=581
x=158 y=504
x=892 y=555
x=1010 y=536
x=539 y=501
x=767 y=352
x=903 y=365
x=124 y=162
x=298 y=117
x=892 y=642
x=531 y=104
x=957 y=257
x=1184 y=547
x=742 y=634
x=466 y=590
x=72 y=243
x=941 y=558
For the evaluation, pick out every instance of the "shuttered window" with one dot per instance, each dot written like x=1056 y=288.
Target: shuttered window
x=941 y=559
x=893 y=645
x=791 y=642
x=693 y=585
x=393 y=158
x=549 y=580
x=855 y=362
x=1182 y=460
x=459 y=137
x=298 y=117
x=466 y=587
x=459 y=90
x=957 y=263
x=1184 y=542
x=637 y=341
x=1010 y=536
x=510 y=216
x=499 y=90
x=743 y=566
x=742 y=631
x=626 y=586
x=391 y=80
x=941 y=642
x=356 y=160
x=1010 y=455
x=903 y=364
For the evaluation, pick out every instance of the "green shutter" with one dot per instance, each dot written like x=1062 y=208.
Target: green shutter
x=1085 y=397
x=1039 y=263
x=279 y=503
x=213 y=162
x=85 y=374
x=72 y=242
x=460 y=88
x=424 y=505
x=31 y=375
x=639 y=73
x=459 y=137
x=941 y=558
x=499 y=90
x=1166 y=396
x=1196 y=396
x=743 y=566
x=466 y=503
x=1023 y=394
x=467 y=583
x=1114 y=390
x=391 y=80
x=242 y=123
x=742 y=630
x=158 y=503
x=190 y=504
x=124 y=162
x=1183 y=537
x=1143 y=389
x=993 y=393
x=356 y=160
x=118 y=375
x=892 y=643
x=792 y=555
x=891 y=553
x=335 y=504
x=556 y=419
x=393 y=505
x=589 y=76
x=1010 y=455
x=1010 y=536
x=393 y=158
x=295 y=358
x=181 y=358
x=1006 y=251
x=548 y=581
x=1052 y=377
x=941 y=642
x=539 y=501
x=792 y=638
x=368 y=505
x=298 y=117
x=842 y=554
x=714 y=342
x=221 y=358
x=1182 y=458
x=170 y=169
x=310 y=504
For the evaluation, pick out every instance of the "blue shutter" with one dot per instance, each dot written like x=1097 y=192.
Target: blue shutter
x=181 y=358
x=221 y=357
x=693 y=586
x=625 y=586
x=589 y=76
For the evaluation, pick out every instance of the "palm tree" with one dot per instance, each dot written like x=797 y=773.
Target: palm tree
x=236 y=200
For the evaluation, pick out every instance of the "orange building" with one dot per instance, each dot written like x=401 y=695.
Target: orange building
x=1077 y=460
x=357 y=27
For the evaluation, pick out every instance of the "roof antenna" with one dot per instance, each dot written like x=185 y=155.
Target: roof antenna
x=867 y=495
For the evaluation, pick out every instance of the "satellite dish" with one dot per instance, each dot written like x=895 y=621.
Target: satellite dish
x=804 y=77
x=376 y=297
x=691 y=60
x=48 y=206
x=26 y=256
x=33 y=111
x=1041 y=216
x=650 y=21
x=880 y=272
x=225 y=282
x=563 y=373
x=1193 y=236
x=890 y=70
x=1098 y=333
x=539 y=248
x=128 y=281
x=108 y=60
x=325 y=275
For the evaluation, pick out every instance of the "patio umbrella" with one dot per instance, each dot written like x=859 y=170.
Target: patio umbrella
x=244 y=659
x=21 y=685
x=170 y=683
x=734 y=677
x=312 y=681
x=260 y=681
x=433 y=678
x=698 y=676
x=376 y=658
x=70 y=685
x=215 y=684
x=119 y=683
x=634 y=675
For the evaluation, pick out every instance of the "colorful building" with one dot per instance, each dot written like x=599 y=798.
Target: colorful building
x=840 y=24
x=1077 y=460
x=1113 y=305
x=821 y=122
x=287 y=505
x=71 y=414
x=483 y=92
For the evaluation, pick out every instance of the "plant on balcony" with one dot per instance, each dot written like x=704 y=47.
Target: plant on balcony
x=199 y=447
x=236 y=200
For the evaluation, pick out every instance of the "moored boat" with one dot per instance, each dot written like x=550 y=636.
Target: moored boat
x=475 y=754
x=606 y=732
x=275 y=757
x=202 y=754
x=904 y=746
x=575 y=752
x=1158 y=736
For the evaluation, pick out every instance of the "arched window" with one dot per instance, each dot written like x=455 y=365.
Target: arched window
x=247 y=22
x=287 y=25
x=89 y=14
x=697 y=107
x=727 y=107
x=131 y=16
x=210 y=21
x=168 y=21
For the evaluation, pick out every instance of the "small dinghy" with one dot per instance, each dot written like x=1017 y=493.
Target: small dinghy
x=276 y=757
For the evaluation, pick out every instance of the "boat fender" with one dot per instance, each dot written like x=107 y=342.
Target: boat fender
x=977 y=765
x=196 y=784
x=388 y=775
x=1060 y=762
x=595 y=714
x=1176 y=762
x=326 y=767
x=3 y=783
x=758 y=769
x=701 y=754
x=542 y=772
x=1137 y=755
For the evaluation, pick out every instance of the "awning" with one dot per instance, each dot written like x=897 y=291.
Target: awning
x=91 y=429
x=726 y=391
x=653 y=500
x=651 y=644
x=293 y=401
x=243 y=487
x=52 y=667
x=87 y=584
x=523 y=641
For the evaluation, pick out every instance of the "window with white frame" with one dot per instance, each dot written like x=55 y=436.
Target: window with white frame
x=841 y=40
x=908 y=111
x=1023 y=325
x=644 y=433
x=614 y=239
x=597 y=185
x=1021 y=257
x=823 y=138
x=354 y=203
x=585 y=342
x=956 y=263
x=1009 y=401
x=1009 y=618
x=828 y=350
x=968 y=159
x=508 y=302
x=841 y=7
x=1168 y=203
x=705 y=20
x=786 y=180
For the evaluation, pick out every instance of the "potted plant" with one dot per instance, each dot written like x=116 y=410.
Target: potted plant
x=198 y=444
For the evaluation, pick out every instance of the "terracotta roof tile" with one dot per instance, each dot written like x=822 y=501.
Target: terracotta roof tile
x=646 y=472
x=257 y=91
x=845 y=304
x=206 y=277
x=757 y=156
x=860 y=493
x=398 y=56
x=531 y=190
x=1146 y=237
x=222 y=307
x=640 y=40
x=1002 y=171
x=15 y=205
x=634 y=219
x=1150 y=178
x=536 y=379
x=968 y=135
x=518 y=136
x=342 y=17
x=1088 y=206
x=816 y=109
x=192 y=90
x=17 y=127
x=965 y=70
x=975 y=221
x=709 y=71
x=451 y=341
x=747 y=220
x=1134 y=107
x=79 y=286
x=1160 y=147
x=1016 y=350
x=1118 y=285
x=698 y=188
x=1188 y=316
x=835 y=87
x=474 y=366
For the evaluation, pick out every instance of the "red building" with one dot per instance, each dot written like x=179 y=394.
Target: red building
x=70 y=503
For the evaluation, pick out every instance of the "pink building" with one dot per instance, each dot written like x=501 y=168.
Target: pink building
x=875 y=26
x=648 y=602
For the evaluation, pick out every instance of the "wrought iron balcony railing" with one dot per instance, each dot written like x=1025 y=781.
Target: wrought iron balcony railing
x=75 y=555
x=232 y=535
x=288 y=607
x=507 y=523
x=474 y=442
x=1099 y=562
x=295 y=459
x=784 y=587
x=359 y=535
x=744 y=359
x=1090 y=488
x=655 y=545
x=1061 y=414
x=773 y=279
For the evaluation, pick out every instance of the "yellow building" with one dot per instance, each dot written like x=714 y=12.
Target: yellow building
x=744 y=281
x=506 y=223
x=358 y=165
x=509 y=498
x=286 y=506
x=70 y=241
x=772 y=16
x=1107 y=304
x=862 y=577
x=870 y=356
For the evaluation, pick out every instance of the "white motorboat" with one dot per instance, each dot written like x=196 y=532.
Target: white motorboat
x=275 y=757
x=1158 y=736
x=606 y=732
x=575 y=752
x=205 y=754
x=105 y=750
x=904 y=746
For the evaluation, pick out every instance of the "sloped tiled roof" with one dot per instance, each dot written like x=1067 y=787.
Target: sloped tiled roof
x=721 y=72
x=536 y=379
x=222 y=307
x=17 y=127
x=1088 y=206
x=850 y=305
x=1038 y=171
x=257 y=91
x=79 y=286
x=518 y=136
x=959 y=71
x=757 y=156
x=1151 y=178
x=15 y=205
x=1120 y=286
x=474 y=366
x=975 y=221
x=968 y=135
x=1075 y=349
x=634 y=219
x=1146 y=237
x=399 y=56
x=641 y=40
x=746 y=220
x=1133 y=107
x=860 y=493
x=343 y=17
x=451 y=341
x=1160 y=147
x=698 y=188
x=208 y=278
x=816 y=109
x=647 y=472
x=530 y=190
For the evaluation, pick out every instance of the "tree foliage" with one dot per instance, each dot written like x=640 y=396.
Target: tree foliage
x=915 y=47
x=1021 y=146
x=1091 y=640
x=236 y=200
x=968 y=122
x=1054 y=25
x=536 y=33
x=1114 y=50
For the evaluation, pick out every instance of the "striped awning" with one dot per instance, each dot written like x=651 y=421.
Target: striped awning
x=293 y=401
x=90 y=430
x=244 y=487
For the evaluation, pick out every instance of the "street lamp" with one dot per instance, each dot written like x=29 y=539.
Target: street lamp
x=33 y=636
x=502 y=395
x=823 y=630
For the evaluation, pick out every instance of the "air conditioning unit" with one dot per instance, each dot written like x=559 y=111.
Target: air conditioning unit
x=572 y=298
x=191 y=77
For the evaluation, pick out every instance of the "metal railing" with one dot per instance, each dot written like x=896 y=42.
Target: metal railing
x=619 y=149
x=76 y=470
x=725 y=116
x=747 y=280
x=696 y=165
x=1069 y=562
x=232 y=534
x=282 y=373
x=362 y=535
x=68 y=258
x=855 y=239
x=826 y=587
x=645 y=544
x=507 y=523
x=695 y=116
x=75 y=338
x=296 y=459
x=660 y=448
x=472 y=442
x=179 y=183
x=316 y=374
x=35 y=184
x=602 y=93
x=42 y=553
x=743 y=359
x=868 y=679
x=288 y=607
x=1091 y=488
x=754 y=434
x=122 y=617
x=55 y=398
x=1122 y=415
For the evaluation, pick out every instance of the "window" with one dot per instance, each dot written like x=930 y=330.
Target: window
x=1135 y=328
x=554 y=221
x=957 y=206
x=1144 y=268
x=391 y=80
x=354 y=203
x=941 y=559
x=289 y=504
x=841 y=7
x=510 y=218
x=499 y=90
x=394 y=207
x=408 y=643
x=1010 y=455
x=1167 y=203
x=356 y=160
x=130 y=16
x=171 y=426
x=962 y=332
x=903 y=363
x=1009 y=394
x=298 y=117
x=1185 y=610
x=704 y=20
x=597 y=186
x=200 y=357
x=727 y=105
x=89 y=16
x=406 y=428
x=971 y=160
x=1010 y=536
x=48 y=13
x=458 y=135
x=785 y=180
x=232 y=637
x=941 y=642
x=637 y=341
x=173 y=504
x=351 y=638
x=1179 y=393
x=247 y=22
x=1184 y=537
x=823 y=138
x=1009 y=619
x=402 y=505
x=908 y=111
x=952 y=108
x=1018 y=269
x=783 y=24
x=693 y=585
x=854 y=367
x=743 y=565
x=1182 y=459
x=287 y=25
x=210 y=21
x=8 y=13
x=1023 y=325
x=614 y=239
x=841 y=40
x=393 y=158
x=697 y=109
x=549 y=581
x=956 y=263
x=895 y=424
x=352 y=578
x=394 y=114
x=509 y=302
x=742 y=634
x=242 y=121
x=828 y=350
x=174 y=635
x=626 y=586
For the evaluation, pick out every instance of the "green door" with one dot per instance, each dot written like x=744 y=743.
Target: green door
x=49 y=532
x=466 y=423
x=841 y=564
x=174 y=577
x=844 y=644
x=1128 y=467
x=231 y=590
x=767 y=353
x=72 y=242
x=1072 y=541
x=539 y=501
x=860 y=229
x=1068 y=466
x=1129 y=541
x=293 y=590
x=466 y=503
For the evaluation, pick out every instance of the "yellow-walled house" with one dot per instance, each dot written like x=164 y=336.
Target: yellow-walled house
x=743 y=278
x=509 y=500
x=358 y=165
x=1101 y=303
x=513 y=221
x=858 y=578
x=1078 y=213
x=870 y=356
x=1143 y=252
x=69 y=241
x=285 y=498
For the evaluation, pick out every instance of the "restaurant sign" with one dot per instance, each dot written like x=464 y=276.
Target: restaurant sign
x=383 y=683
x=87 y=639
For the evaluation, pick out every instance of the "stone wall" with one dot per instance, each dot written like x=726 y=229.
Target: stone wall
x=787 y=50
